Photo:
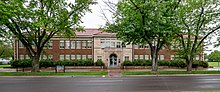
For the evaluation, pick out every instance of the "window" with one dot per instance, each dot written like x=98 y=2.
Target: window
x=50 y=57
x=112 y=44
x=146 y=46
x=83 y=56
x=123 y=45
x=67 y=57
x=146 y=57
x=89 y=56
x=172 y=57
x=27 y=57
x=102 y=43
x=118 y=45
x=78 y=44
x=44 y=57
x=141 y=57
x=73 y=45
x=126 y=58
x=73 y=57
x=78 y=56
x=61 y=57
x=67 y=44
x=197 y=57
x=89 y=44
x=161 y=57
x=99 y=57
x=141 y=46
x=135 y=56
x=50 y=44
x=61 y=44
x=83 y=44
x=21 y=45
x=107 y=44
x=21 y=57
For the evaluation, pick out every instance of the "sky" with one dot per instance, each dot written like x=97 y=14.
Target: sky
x=95 y=20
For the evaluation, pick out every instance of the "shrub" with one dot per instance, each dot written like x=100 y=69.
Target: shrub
x=163 y=63
x=127 y=63
x=14 y=63
x=148 y=63
x=195 y=64
x=67 y=62
x=181 y=63
x=178 y=63
x=26 y=63
x=203 y=64
x=82 y=62
x=99 y=63
x=173 y=63
x=1 y=63
x=139 y=62
x=88 y=62
x=60 y=62
x=46 y=63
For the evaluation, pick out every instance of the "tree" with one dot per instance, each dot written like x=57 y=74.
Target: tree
x=214 y=56
x=5 y=51
x=6 y=44
x=144 y=22
x=197 y=21
x=35 y=22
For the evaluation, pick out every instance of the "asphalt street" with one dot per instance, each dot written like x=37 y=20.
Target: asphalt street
x=110 y=84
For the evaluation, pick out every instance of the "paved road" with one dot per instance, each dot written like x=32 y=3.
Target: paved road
x=109 y=84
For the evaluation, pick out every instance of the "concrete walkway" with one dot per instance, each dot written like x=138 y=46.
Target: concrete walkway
x=114 y=73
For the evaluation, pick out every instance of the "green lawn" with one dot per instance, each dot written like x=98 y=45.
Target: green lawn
x=1 y=66
x=215 y=64
x=52 y=74
x=169 y=72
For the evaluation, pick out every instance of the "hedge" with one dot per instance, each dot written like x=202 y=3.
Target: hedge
x=50 y=63
x=99 y=63
x=21 y=63
x=174 y=63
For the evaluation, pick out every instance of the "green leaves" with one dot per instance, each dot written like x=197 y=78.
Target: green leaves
x=35 y=22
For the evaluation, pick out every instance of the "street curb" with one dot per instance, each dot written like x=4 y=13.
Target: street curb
x=172 y=75
x=47 y=76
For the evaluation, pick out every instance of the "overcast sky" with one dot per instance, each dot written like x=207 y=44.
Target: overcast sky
x=95 y=20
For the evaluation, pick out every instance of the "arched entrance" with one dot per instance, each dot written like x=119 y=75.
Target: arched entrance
x=113 y=60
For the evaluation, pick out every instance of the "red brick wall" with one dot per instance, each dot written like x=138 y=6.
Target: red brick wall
x=56 y=51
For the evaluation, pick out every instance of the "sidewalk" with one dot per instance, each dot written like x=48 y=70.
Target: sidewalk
x=112 y=72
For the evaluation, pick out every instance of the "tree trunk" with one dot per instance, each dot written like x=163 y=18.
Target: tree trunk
x=35 y=64
x=189 y=65
x=154 y=63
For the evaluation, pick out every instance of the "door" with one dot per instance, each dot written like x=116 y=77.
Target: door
x=113 y=60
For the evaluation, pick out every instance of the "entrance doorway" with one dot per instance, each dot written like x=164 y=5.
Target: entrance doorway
x=113 y=60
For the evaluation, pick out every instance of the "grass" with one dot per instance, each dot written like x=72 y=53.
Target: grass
x=169 y=72
x=1 y=66
x=215 y=64
x=52 y=74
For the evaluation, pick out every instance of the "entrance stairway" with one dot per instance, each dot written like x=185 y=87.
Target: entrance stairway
x=114 y=71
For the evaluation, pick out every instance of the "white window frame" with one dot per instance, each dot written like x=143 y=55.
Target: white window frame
x=62 y=46
x=62 y=57
x=67 y=44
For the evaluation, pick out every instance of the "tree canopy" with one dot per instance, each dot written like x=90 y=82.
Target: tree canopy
x=145 y=22
x=214 y=56
x=35 y=22
x=197 y=20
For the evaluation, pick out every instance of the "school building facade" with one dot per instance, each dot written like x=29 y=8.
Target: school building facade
x=94 y=44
